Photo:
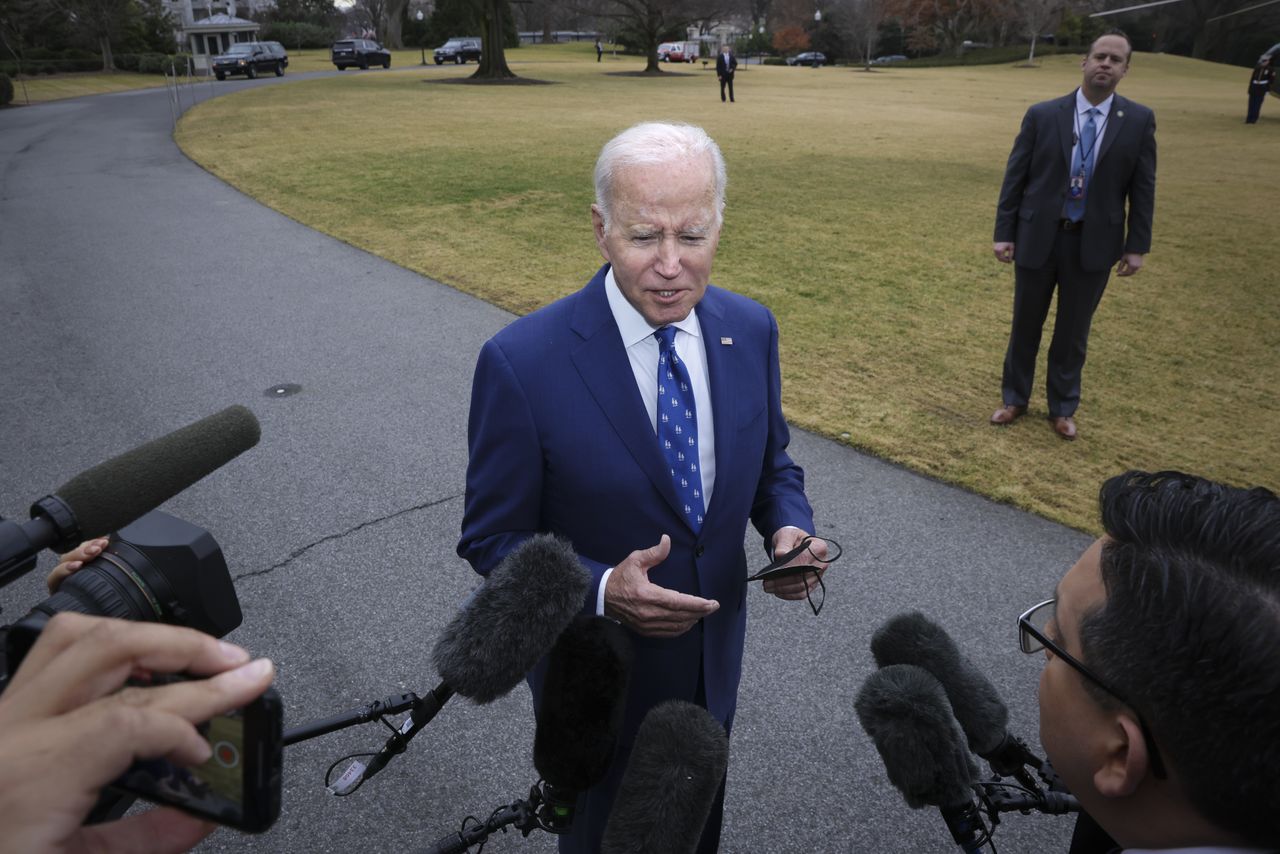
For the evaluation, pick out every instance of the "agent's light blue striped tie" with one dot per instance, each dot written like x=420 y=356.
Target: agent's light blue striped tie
x=1074 y=209
x=678 y=427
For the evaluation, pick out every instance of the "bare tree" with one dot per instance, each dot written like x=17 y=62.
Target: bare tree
x=1036 y=16
x=493 y=57
x=945 y=23
x=651 y=21
x=860 y=22
x=102 y=20
x=372 y=14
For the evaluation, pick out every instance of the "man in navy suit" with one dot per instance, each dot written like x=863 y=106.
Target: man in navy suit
x=726 y=65
x=571 y=432
x=1061 y=220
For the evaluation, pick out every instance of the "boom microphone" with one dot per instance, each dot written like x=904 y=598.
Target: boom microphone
x=912 y=638
x=513 y=619
x=497 y=636
x=112 y=494
x=583 y=696
x=676 y=767
x=905 y=711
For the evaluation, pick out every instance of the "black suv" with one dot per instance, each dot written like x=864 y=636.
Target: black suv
x=248 y=58
x=359 y=52
x=278 y=51
x=458 y=50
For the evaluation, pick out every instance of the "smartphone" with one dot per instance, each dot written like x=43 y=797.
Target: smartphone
x=239 y=785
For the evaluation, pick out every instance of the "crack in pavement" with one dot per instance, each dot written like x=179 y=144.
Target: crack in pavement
x=297 y=553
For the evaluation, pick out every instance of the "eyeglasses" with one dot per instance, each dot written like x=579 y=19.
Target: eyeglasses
x=821 y=549
x=1033 y=637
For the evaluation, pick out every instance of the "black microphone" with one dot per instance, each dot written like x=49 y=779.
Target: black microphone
x=512 y=619
x=912 y=638
x=497 y=636
x=112 y=494
x=676 y=768
x=905 y=711
x=583 y=697
x=579 y=716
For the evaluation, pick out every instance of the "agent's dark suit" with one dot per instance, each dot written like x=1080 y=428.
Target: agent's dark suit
x=1078 y=261
x=724 y=71
x=560 y=441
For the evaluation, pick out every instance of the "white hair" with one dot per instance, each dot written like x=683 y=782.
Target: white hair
x=653 y=144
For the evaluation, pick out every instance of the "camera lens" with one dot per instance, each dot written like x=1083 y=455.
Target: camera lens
x=121 y=583
x=157 y=569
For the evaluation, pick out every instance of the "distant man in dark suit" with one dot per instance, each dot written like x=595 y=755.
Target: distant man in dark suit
x=726 y=64
x=1264 y=74
x=1061 y=220
x=640 y=418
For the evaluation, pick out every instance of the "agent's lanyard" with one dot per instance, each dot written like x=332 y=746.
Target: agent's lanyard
x=1097 y=135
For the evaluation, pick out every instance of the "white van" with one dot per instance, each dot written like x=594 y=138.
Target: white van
x=678 y=52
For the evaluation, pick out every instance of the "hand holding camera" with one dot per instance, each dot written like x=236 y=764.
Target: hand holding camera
x=67 y=728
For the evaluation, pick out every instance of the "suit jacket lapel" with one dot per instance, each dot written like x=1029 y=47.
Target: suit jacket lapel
x=1067 y=128
x=1115 y=123
x=721 y=377
x=601 y=361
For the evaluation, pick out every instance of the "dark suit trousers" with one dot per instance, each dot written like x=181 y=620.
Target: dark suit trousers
x=1079 y=292
x=1255 y=106
x=726 y=80
x=594 y=806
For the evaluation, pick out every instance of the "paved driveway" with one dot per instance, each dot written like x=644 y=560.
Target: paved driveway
x=140 y=293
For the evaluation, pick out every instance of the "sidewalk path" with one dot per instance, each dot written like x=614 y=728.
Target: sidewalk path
x=139 y=293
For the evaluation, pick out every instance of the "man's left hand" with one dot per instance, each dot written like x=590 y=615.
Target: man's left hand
x=1130 y=263
x=796 y=586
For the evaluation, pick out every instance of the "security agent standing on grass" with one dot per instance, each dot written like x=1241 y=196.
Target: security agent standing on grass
x=726 y=65
x=1264 y=73
x=1061 y=220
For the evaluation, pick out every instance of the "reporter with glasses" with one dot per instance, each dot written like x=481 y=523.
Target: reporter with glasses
x=1160 y=695
x=69 y=727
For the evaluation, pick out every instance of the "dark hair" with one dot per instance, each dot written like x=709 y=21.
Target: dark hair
x=1116 y=32
x=1190 y=634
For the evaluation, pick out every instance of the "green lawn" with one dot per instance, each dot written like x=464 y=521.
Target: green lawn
x=860 y=210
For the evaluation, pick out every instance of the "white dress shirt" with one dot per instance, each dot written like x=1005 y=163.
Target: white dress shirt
x=1082 y=117
x=642 y=352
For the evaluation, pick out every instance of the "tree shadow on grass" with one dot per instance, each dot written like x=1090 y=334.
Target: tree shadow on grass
x=649 y=75
x=501 y=81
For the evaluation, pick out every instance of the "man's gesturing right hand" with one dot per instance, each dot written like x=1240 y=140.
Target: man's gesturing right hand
x=645 y=607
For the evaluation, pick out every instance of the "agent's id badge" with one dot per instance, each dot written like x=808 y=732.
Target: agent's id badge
x=1076 y=189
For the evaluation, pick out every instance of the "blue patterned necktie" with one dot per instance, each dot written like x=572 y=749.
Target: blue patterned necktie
x=1083 y=160
x=678 y=427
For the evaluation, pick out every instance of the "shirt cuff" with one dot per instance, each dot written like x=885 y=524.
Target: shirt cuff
x=604 y=579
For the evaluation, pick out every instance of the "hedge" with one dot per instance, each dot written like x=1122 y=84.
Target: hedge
x=6 y=89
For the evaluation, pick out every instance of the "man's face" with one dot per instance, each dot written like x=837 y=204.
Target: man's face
x=1070 y=719
x=662 y=237
x=1107 y=62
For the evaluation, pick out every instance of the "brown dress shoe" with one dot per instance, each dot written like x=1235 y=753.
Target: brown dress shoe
x=1008 y=414
x=1064 y=426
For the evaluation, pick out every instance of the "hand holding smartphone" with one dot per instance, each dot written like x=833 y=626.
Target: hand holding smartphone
x=238 y=785
x=68 y=735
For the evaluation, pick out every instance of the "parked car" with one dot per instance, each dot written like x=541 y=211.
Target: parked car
x=678 y=52
x=278 y=51
x=458 y=50
x=360 y=53
x=247 y=58
x=889 y=59
x=809 y=57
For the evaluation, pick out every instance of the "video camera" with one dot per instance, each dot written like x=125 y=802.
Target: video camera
x=156 y=568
